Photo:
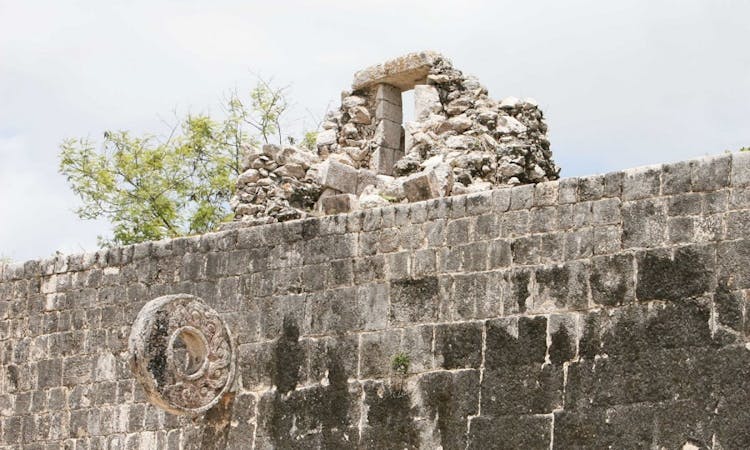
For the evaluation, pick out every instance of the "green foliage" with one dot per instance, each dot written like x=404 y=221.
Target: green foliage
x=308 y=141
x=745 y=149
x=400 y=363
x=150 y=188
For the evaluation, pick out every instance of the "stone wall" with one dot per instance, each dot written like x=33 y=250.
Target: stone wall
x=609 y=310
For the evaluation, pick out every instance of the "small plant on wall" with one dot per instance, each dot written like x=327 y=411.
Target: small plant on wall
x=400 y=363
x=399 y=367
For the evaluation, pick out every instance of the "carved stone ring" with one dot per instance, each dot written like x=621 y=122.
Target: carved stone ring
x=182 y=353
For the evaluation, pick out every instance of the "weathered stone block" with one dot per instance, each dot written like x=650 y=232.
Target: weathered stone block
x=688 y=272
x=568 y=191
x=563 y=337
x=388 y=134
x=341 y=203
x=741 y=169
x=510 y=432
x=333 y=311
x=529 y=389
x=606 y=212
x=338 y=176
x=372 y=302
x=449 y=399
x=676 y=178
x=734 y=263
x=641 y=182
x=522 y=197
x=590 y=188
x=613 y=184
x=459 y=346
x=612 y=280
x=545 y=194
x=629 y=426
x=387 y=110
x=325 y=137
x=422 y=186
x=711 y=173
x=525 y=250
x=515 y=342
x=383 y=159
x=414 y=300
x=644 y=223
x=390 y=417
x=562 y=286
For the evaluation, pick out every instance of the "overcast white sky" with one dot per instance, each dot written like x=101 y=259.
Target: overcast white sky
x=622 y=83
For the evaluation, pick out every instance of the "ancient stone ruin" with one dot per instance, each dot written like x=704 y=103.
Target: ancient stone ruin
x=460 y=141
x=607 y=311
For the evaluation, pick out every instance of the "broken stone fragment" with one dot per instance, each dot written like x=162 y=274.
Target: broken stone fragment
x=507 y=124
x=338 y=176
x=508 y=170
x=459 y=124
x=341 y=203
x=248 y=176
x=509 y=103
x=458 y=106
x=351 y=101
x=371 y=198
x=291 y=170
x=422 y=186
x=326 y=137
x=249 y=155
x=271 y=150
x=294 y=155
x=360 y=115
x=365 y=178
x=536 y=173
x=391 y=187
x=342 y=158
x=357 y=154
x=442 y=171
x=350 y=130
x=461 y=142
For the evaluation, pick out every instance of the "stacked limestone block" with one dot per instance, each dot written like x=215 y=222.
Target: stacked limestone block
x=277 y=184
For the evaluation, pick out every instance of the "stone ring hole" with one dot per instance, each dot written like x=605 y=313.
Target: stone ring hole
x=188 y=352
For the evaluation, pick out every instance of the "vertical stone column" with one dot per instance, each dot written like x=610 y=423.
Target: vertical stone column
x=388 y=130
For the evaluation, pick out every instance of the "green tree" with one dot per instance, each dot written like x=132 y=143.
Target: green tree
x=150 y=188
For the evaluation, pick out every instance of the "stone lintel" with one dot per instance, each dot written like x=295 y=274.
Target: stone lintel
x=403 y=72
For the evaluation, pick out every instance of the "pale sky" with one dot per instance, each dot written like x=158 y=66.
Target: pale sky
x=622 y=84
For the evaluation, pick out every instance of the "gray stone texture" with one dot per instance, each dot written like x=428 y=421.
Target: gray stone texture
x=588 y=313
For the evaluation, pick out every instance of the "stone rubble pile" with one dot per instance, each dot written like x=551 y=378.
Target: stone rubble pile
x=277 y=184
x=460 y=141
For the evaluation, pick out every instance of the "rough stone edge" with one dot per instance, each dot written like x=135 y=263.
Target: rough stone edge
x=452 y=206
